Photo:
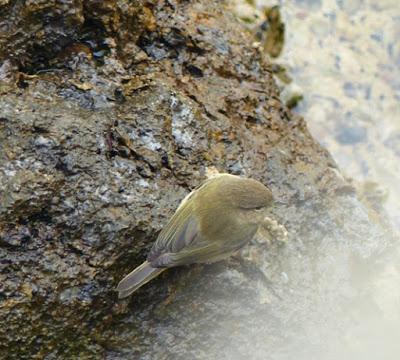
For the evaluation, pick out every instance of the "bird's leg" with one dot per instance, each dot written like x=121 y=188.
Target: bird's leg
x=251 y=270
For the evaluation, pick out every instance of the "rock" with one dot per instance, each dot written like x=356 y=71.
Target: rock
x=89 y=175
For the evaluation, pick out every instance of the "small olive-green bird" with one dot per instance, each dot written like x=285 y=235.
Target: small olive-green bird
x=212 y=222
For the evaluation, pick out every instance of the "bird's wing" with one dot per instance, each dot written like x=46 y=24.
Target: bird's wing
x=181 y=242
x=180 y=232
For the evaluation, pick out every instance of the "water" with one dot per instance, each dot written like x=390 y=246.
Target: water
x=345 y=56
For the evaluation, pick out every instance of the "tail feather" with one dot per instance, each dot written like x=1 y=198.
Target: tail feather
x=137 y=278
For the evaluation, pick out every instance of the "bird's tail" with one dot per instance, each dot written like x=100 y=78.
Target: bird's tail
x=137 y=278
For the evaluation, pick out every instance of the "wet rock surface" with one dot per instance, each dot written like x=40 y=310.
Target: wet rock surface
x=107 y=120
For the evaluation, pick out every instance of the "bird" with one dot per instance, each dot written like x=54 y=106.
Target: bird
x=211 y=223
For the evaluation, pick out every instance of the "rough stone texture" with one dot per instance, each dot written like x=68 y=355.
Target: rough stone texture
x=125 y=107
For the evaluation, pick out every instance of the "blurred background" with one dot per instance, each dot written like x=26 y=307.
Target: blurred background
x=339 y=66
